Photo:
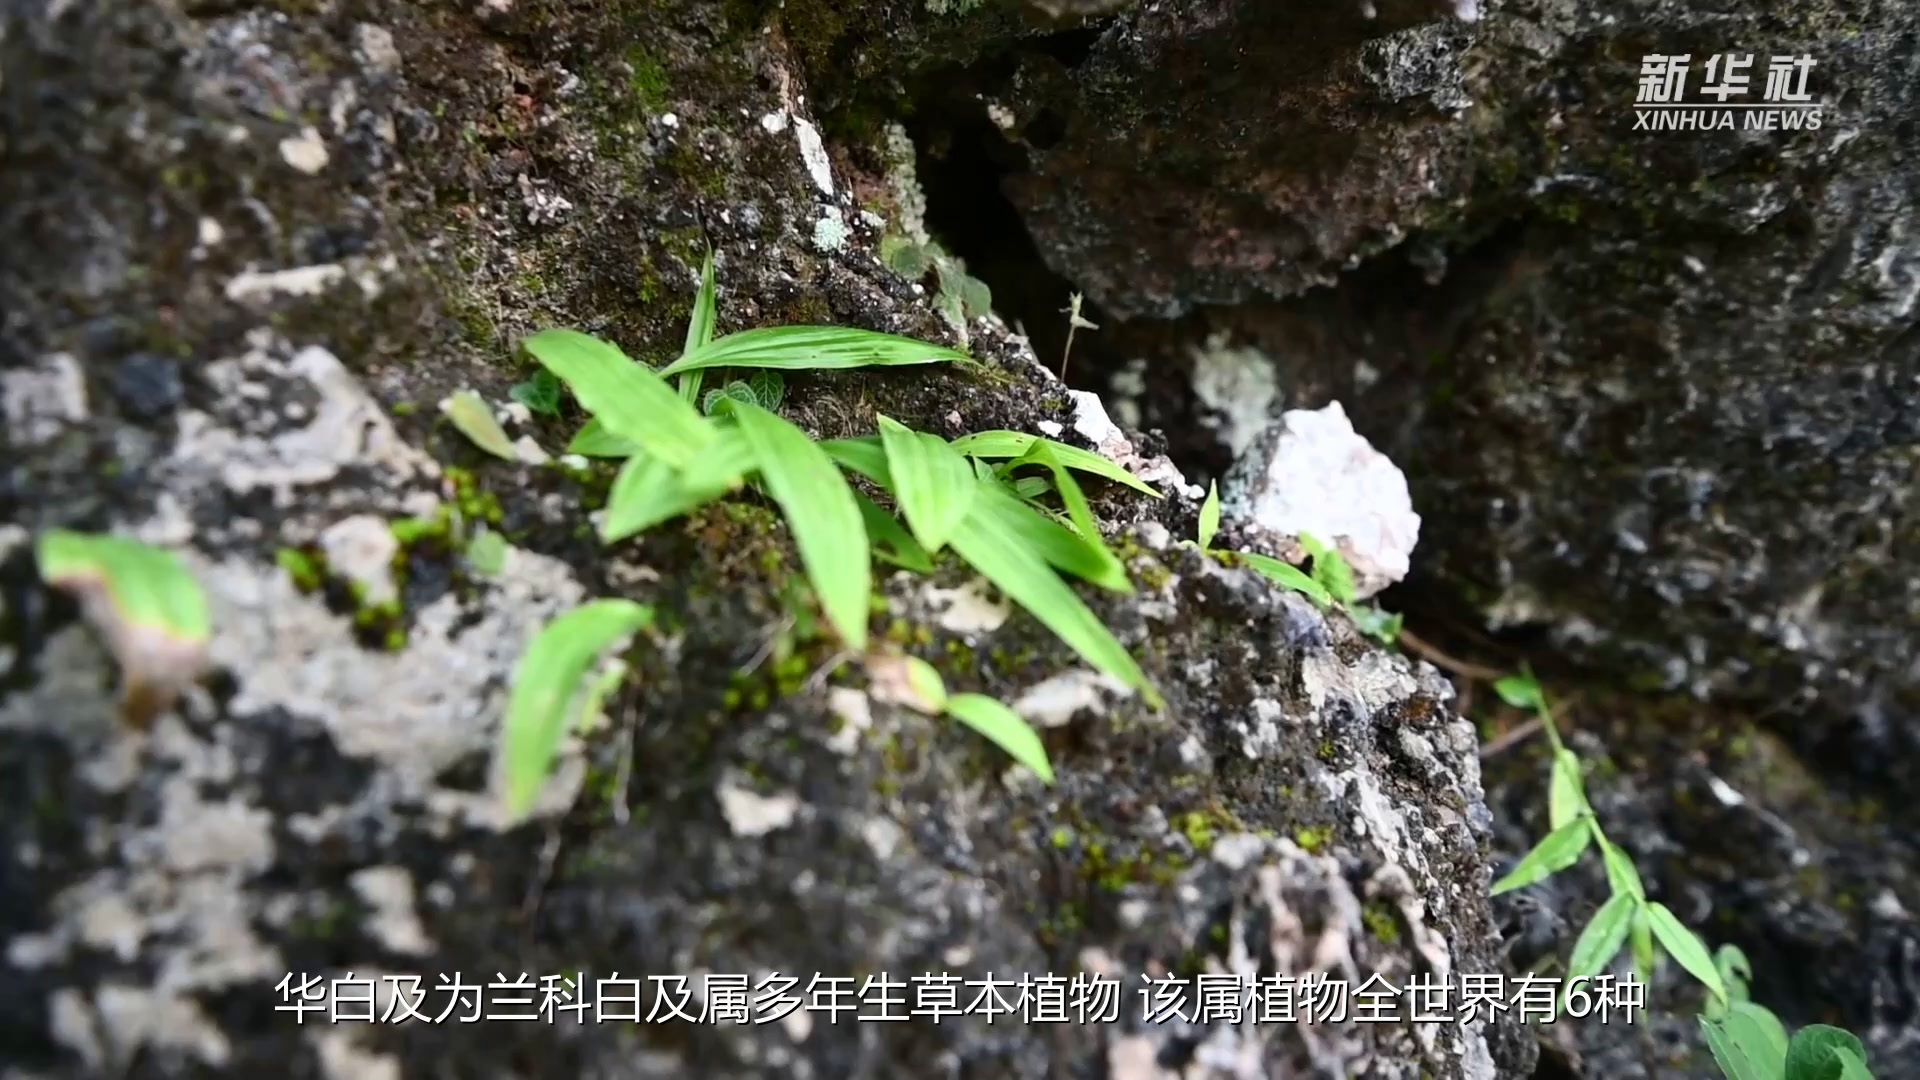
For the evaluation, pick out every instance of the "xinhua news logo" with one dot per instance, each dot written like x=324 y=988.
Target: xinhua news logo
x=1725 y=99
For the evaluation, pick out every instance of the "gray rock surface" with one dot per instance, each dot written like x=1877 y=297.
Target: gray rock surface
x=252 y=249
x=1655 y=390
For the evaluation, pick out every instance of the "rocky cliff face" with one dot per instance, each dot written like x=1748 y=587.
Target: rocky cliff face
x=1655 y=387
x=252 y=247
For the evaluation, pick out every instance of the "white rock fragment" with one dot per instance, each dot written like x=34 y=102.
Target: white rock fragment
x=361 y=549
x=299 y=281
x=1467 y=10
x=1051 y=428
x=1054 y=702
x=968 y=609
x=813 y=153
x=669 y=120
x=388 y=890
x=1238 y=385
x=750 y=813
x=306 y=151
x=1310 y=472
x=375 y=47
x=1090 y=420
x=40 y=401
x=855 y=712
x=774 y=122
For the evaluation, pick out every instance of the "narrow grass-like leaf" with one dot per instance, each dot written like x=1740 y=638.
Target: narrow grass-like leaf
x=1560 y=849
x=821 y=511
x=1602 y=938
x=474 y=419
x=1819 y=1051
x=865 y=456
x=648 y=491
x=892 y=543
x=699 y=328
x=1005 y=728
x=1077 y=510
x=1014 y=444
x=1566 y=794
x=933 y=482
x=147 y=587
x=1288 y=575
x=629 y=400
x=1007 y=558
x=1060 y=546
x=547 y=690
x=1686 y=949
x=1210 y=516
x=1739 y=1052
x=594 y=440
x=797 y=348
x=1621 y=875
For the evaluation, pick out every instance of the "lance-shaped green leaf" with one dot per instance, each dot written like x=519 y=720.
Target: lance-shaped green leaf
x=865 y=456
x=648 y=491
x=1288 y=575
x=1015 y=444
x=1210 y=517
x=1061 y=547
x=821 y=511
x=1004 y=728
x=1621 y=876
x=1685 y=948
x=551 y=690
x=933 y=482
x=1566 y=792
x=1853 y=1066
x=997 y=550
x=795 y=348
x=1560 y=849
x=1602 y=938
x=629 y=400
x=1079 y=512
x=470 y=415
x=699 y=328
x=594 y=440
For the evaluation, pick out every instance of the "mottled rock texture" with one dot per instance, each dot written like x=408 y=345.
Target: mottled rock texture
x=1656 y=390
x=250 y=247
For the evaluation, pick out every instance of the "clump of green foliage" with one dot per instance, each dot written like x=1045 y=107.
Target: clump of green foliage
x=1747 y=1041
x=1329 y=584
x=679 y=457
